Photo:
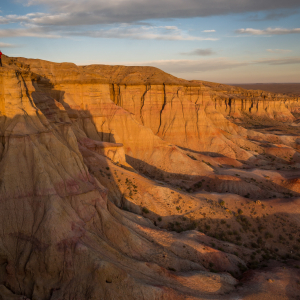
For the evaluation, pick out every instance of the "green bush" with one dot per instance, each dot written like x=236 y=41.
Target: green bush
x=146 y=210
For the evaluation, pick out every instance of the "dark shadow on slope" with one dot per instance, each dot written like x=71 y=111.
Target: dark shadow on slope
x=188 y=183
x=46 y=86
x=191 y=183
x=211 y=154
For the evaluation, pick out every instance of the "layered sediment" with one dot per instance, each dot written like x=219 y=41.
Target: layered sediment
x=111 y=175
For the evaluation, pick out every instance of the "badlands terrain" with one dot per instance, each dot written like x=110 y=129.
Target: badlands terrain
x=128 y=183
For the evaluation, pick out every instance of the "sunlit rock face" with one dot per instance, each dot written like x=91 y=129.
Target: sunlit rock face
x=128 y=183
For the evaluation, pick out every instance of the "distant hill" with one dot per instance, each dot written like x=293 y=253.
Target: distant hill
x=283 y=88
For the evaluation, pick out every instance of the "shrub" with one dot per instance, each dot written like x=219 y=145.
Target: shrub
x=268 y=235
x=242 y=267
x=145 y=210
x=222 y=202
x=198 y=185
x=240 y=212
x=192 y=157
x=207 y=227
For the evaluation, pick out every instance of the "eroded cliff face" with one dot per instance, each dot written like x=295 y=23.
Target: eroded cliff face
x=58 y=239
x=110 y=104
x=238 y=103
x=79 y=218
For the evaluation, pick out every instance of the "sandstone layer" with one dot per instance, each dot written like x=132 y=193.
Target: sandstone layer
x=128 y=183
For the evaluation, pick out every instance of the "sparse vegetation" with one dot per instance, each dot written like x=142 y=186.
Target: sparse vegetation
x=145 y=210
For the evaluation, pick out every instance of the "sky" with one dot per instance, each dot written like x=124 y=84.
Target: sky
x=225 y=41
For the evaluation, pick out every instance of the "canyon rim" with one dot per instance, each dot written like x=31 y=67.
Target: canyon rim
x=129 y=183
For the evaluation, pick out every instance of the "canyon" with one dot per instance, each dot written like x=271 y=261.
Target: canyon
x=129 y=183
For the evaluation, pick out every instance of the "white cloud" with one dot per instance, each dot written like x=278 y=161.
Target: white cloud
x=208 y=65
x=280 y=51
x=171 y=33
x=171 y=27
x=200 y=52
x=279 y=61
x=28 y=18
x=268 y=31
x=6 y=45
x=207 y=31
x=193 y=66
x=28 y=32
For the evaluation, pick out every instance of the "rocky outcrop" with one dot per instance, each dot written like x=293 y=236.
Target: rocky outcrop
x=238 y=102
x=58 y=238
x=79 y=220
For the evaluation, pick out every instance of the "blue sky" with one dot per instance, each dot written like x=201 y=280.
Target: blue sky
x=226 y=41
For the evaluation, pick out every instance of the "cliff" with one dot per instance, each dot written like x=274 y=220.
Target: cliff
x=106 y=172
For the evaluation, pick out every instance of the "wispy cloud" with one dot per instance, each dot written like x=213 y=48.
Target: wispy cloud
x=200 y=52
x=6 y=45
x=193 y=66
x=208 y=65
x=273 y=15
x=28 y=32
x=81 y=12
x=125 y=31
x=171 y=33
x=279 y=51
x=268 y=31
x=279 y=61
x=28 y=18
x=208 y=31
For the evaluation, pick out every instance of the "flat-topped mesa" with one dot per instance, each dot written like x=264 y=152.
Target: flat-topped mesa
x=238 y=102
x=108 y=102
x=147 y=93
x=71 y=73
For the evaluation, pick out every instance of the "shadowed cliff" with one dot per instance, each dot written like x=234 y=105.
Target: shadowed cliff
x=113 y=181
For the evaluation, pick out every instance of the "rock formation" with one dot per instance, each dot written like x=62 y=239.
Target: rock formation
x=128 y=183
